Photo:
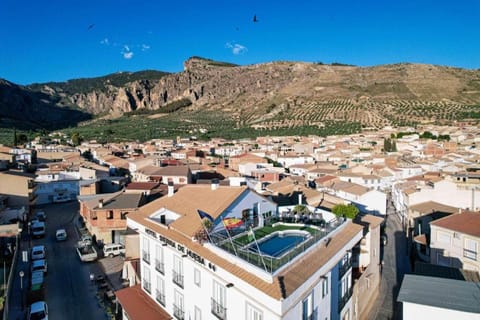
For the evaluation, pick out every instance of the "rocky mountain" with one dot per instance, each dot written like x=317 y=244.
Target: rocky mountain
x=268 y=95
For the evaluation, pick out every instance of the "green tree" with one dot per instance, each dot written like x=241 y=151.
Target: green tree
x=15 y=142
x=345 y=210
x=76 y=139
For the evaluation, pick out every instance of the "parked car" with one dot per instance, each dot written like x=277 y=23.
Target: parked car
x=39 y=265
x=38 y=311
x=86 y=240
x=61 y=198
x=37 y=228
x=61 y=235
x=40 y=216
x=38 y=252
x=113 y=249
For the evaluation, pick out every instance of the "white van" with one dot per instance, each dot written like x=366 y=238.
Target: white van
x=113 y=249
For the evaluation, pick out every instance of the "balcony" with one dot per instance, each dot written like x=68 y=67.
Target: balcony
x=342 y=301
x=160 y=267
x=469 y=254
x=147 y=286
x=218 y=310
x=160 y=297
x=178 y=312
x=312 y=316
x=178 y=279
x=347 y=265
x=146 y=257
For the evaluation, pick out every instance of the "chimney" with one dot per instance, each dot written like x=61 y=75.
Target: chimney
x=100 y=203
x=171 y=189
x=215 y=184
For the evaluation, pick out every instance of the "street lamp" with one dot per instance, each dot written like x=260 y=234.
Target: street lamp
x=21 y=274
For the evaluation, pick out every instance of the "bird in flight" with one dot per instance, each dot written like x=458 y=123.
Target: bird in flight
x=90 y=26
x=255 y=18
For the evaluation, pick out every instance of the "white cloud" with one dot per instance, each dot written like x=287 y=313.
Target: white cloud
x=105 y=42
x=145 y=47
x=127 y=54
x=236 y=48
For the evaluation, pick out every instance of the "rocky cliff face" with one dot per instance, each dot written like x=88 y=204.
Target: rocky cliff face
x=280 y=92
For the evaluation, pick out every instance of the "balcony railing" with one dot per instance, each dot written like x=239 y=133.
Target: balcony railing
x=147 y=286
x=178 y=312
x=342 y=301
x=160 y=266
x=218 y=310
x=160 y=297
x=469 y=254
x=146 y=257
x=344 y=267
x=177 y=278
x=312 y=316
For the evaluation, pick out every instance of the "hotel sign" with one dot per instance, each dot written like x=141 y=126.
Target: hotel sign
x=179 y=247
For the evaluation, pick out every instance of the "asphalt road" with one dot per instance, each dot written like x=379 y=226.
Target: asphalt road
x=396 y=265
x=69 y=292
x=70 y=295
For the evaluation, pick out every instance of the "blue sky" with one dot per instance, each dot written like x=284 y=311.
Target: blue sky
x=57 y=40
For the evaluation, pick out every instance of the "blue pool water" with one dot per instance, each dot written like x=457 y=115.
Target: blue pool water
x=279 y=244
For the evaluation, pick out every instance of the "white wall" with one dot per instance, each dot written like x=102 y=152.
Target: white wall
x=446 y=192
x=412 y=311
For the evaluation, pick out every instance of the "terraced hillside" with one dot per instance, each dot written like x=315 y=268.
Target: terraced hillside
x=221 y=98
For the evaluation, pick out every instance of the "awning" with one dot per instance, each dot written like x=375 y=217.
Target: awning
x=421 y=239
x=139 y=306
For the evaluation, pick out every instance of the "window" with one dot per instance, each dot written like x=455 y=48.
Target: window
x=253 y=313
x=325 y=287
x=147 y=285
x=197 y=277
x=178 y=271
x=110 y=214
x=219 y=300
x=178 y=312
x=146 y=250
x=470 y=250
x=93 y=215
x=198 y=314
x=159 y=264
x=123 y=215
x=443 y=237
x=307 y=307
x=160 y=293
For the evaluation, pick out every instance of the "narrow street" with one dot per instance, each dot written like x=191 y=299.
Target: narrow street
x=69 y=293
x=396 y=265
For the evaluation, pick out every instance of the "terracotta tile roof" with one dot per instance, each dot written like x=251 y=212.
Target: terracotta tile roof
x=325 y=179
x=349 y=187
x=140 y=306
x=467 y=223
x=432 y=206
x=187 y=200
x=174 y=171
x=293 y=277
x=373 y=221
x=141 y=185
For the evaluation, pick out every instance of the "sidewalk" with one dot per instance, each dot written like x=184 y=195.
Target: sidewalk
x=17 y=307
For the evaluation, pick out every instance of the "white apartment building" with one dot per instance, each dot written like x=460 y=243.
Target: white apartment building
x=190 y=274
x=455 y=241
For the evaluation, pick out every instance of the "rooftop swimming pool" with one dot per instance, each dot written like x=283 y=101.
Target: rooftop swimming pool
x=279 y=243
